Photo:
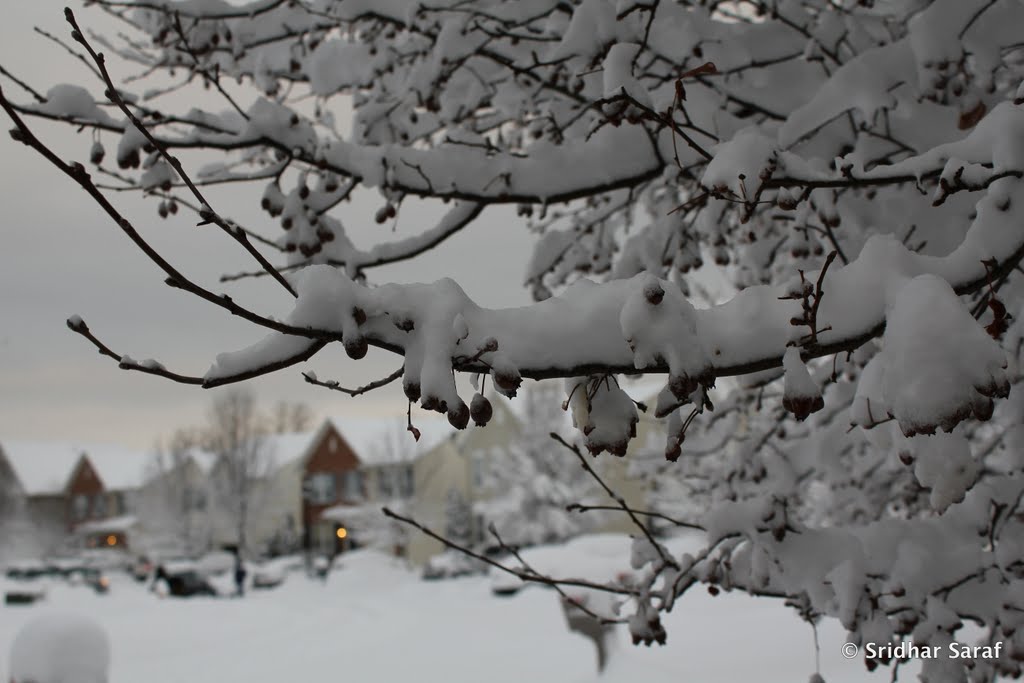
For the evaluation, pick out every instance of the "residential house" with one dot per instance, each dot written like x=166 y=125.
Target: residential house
x=64 y=486
x=321 y=490
x=452 y=470
x=103 y=487
x=268 y=495
x=387 y=455
x=455 y=470
x=34 y=478
x=304 y=474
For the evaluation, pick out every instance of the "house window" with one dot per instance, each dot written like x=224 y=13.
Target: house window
x=476 y=464
x=99 y=505
x=385 y=480
x=321 y=488
x=353 y=484
x=80 y=507
x=479 y=525
x=407 y=480
x=195 y=499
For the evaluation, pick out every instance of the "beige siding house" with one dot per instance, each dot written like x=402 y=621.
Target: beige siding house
x=454 y=466
x=457 y=463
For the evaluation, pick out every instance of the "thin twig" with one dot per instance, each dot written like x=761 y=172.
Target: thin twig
x=618 y=499
x=334 y=386
x=579 y=507
x=124 y=362
x=24 y=86
x=533 y=572
x=535 y=578
x=208 y=214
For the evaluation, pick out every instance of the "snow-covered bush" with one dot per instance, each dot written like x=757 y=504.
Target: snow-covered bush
x=528 y=483
x=853 y=167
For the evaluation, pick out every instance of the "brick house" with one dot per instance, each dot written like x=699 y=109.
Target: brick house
x=341 y=466
x=387 y=455
x=59 y=487
x=34 y=477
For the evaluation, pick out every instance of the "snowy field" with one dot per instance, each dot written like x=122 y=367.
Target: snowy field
x=375 y=620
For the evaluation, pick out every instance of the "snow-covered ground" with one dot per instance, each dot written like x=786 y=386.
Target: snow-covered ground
x=375 y=620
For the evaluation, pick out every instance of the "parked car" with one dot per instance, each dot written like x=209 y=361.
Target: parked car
x=267 y=577
x=451 y=564
x=595 y=557
x=271 y=573
x=92 y=577
x=142 y=569
x=20 y=586
x=26 y=570
x=185 y=583
x=505 y=584
x=74 y=570
x=22 y=596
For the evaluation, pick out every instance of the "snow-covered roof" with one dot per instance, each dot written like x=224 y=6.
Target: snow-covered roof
x=204 y=460
x=119 y=468
x=110 y=525
x=284 y=449
x=44 y=467
x=385 y=440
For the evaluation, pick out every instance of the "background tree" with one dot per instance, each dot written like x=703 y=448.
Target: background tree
x=20 y=538
x=854 y=167
x=174 y=502
x=291 y=417
x=528 y=483
x=458 y=518
x=236 y=436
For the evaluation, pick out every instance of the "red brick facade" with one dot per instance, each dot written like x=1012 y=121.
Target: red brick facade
x=82 y=490
x=331 y=455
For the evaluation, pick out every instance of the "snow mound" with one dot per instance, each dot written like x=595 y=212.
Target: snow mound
x=60 y=648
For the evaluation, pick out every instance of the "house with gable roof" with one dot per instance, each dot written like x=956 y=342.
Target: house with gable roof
x=320 y=490
x=452 y=469
x=61 y=487
x=388 y=454
x=455 y=470
x=296 y=476
x=344 y=464
x=34 y=479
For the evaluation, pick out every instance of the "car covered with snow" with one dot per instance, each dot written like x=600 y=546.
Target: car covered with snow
x=595 y=558
x=451 y=564
x=272 y=573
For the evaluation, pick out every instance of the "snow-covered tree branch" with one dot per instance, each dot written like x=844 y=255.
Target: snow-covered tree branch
x=854 y=169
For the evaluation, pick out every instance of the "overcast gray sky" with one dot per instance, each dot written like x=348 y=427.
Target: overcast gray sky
x=61 y=255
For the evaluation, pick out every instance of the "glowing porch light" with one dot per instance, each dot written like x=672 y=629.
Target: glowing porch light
x=342 y=532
